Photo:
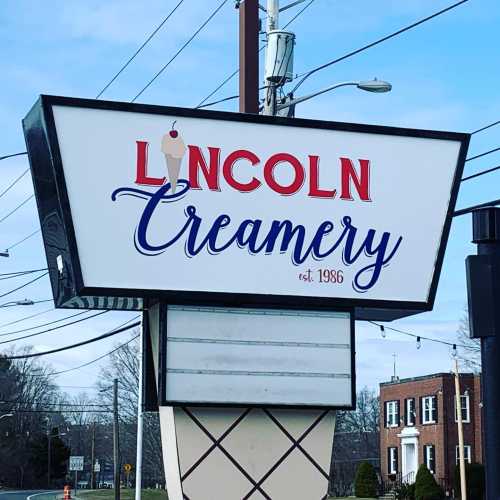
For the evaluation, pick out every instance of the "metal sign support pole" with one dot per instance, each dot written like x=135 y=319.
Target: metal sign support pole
x=140 y=418
x=483 y=288
x=116 y=441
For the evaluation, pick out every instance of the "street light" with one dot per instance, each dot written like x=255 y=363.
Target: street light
x=375 y=86
x=5 y=253
x=6 y=415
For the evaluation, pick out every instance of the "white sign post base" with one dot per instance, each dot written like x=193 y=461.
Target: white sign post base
x=246 y=453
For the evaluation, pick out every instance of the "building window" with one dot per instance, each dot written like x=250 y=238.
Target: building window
x=467 y=453
x=392 y=414
x=464 y=403
x=392 y=460
x=430 y=457
x=410 y=411
x=428 y=410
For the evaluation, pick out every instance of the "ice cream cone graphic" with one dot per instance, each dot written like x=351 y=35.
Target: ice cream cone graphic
x=174 y=149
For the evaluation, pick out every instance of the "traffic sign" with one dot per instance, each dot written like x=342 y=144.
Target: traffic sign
x=127 y=468
x=97 y=467
x=76 y=463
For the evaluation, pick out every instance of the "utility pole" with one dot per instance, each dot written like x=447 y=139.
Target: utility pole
x=92 y=459
x=116 y=440
x=483 y=290
x=49 y=451
x=140 y=415
x=461 y=455
x=249 y=56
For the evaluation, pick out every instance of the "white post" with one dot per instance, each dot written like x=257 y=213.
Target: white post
x=272 y=24
x=140 y=422
x=463 y=482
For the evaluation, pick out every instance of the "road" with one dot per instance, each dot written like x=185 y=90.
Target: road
x=20 y=495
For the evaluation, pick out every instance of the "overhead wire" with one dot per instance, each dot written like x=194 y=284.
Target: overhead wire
x=24 y=272
x=486 y=127
x=17 y=208
x=304 y=76
x=10 y=247
x=100 y=313
x=479 y=174
x=136 y=53
x=24 y=285
x=73 y=346
x=13 y=183
x=31 y=316
x=184 y=46
x=480 y=155
x=42 y=325
x=5 y=157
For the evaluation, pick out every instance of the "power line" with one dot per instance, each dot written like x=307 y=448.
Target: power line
x=17 y=208
x=485 y=127
x=468 y=210
x=24 y=305
x=10 y=247
x=12 y=155
x=195 y=34
x=53 y=329
x=480 y=155
x=13 y=183
x=307 y=74
x=45 y=324
x=24 y=272
x=23 y=286
x=73 y=346
x=236 y=71
x=136 y=53
x=27 y=317
x=479 y=174
x=96 y=359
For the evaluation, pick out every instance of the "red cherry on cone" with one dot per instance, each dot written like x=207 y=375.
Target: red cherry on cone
x=173 y=134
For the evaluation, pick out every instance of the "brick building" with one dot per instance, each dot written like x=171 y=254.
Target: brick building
x=418 y=425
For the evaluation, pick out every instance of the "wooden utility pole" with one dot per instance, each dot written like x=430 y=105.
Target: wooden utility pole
x=249 y=56
x=116 y=440
x=463 y=482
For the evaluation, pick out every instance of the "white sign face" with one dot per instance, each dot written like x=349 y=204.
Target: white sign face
x=76 y=463
x=186 y=202
x=239 y=356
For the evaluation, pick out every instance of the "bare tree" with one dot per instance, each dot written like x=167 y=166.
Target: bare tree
x=124 y=365
x=356 y=440
x=469 y=352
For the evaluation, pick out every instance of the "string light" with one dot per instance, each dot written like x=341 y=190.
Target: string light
x=419 y=343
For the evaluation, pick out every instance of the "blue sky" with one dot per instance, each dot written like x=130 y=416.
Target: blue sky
x=445 y=76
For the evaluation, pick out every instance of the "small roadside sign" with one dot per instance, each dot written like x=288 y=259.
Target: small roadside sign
x=127 y=468
x=97 y=467
x=76 y=463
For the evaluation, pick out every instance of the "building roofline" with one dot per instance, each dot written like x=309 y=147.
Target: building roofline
x=425 y=377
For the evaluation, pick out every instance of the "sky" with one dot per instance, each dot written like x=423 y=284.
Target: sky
x=444 y=74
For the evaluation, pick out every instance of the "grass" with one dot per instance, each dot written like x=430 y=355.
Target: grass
x=126 y=494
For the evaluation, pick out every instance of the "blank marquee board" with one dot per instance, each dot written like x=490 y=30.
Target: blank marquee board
x=228 y=357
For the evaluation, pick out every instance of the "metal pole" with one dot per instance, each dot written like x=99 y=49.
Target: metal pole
x=76 y=482
x=116 y=440
x=92 y=459
x=49 y=453
x=463 y=482
x=249 y=56
x=272 y=24
x=484 y=318
x=140 y=418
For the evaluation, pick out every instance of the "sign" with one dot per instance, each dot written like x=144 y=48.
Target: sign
x=127 y=468
x=221 y=357
x=76 y=463
x=97 y=467
x=208 y=207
